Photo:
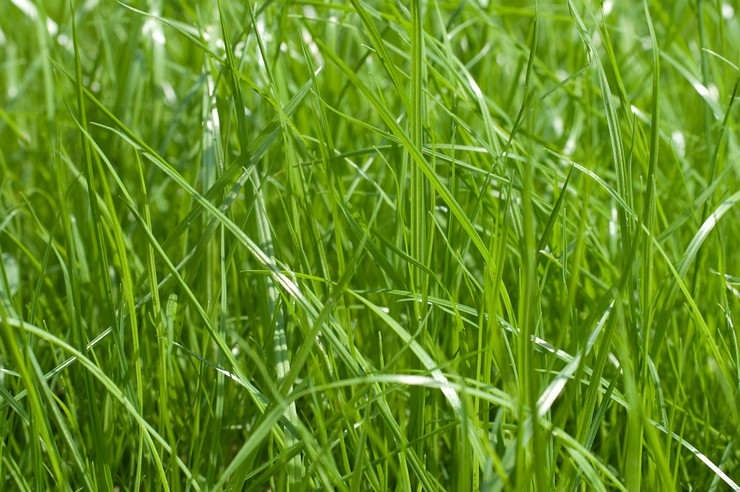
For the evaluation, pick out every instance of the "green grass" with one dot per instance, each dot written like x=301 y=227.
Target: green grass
x=369 y=245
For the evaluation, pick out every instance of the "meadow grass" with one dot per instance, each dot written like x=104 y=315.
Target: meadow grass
x=369 y=245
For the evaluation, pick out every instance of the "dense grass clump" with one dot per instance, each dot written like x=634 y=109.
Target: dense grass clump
x=369 y=245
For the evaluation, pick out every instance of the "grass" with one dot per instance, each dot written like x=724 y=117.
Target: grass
x=369 y=245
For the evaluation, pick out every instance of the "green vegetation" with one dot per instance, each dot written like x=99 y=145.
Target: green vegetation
x=369 y=245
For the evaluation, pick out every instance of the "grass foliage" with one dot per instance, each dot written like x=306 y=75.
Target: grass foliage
x=369 y=245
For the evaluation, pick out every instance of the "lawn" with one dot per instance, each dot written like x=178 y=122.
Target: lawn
x=369 y=245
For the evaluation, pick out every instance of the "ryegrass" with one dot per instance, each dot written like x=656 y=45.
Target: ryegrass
x=369 y=245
